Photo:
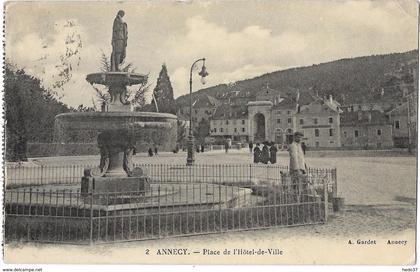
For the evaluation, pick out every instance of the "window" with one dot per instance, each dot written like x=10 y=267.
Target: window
x=331 y=132
x=235 y=130
x=221 y=129
x=316 y=132
x=278 y=121
x=345 y=134
x=316 y=121
x=330 y=120
x=227 y=122
x=379 y=132
x=243 y=122
x=316 y=144
x=397 y=124
x=301 y=121
x=279 y=112
x=289 y=120
x=378 y=145
x=351 y=108
x=356 y=133
x=288 y=112
x=243 y=129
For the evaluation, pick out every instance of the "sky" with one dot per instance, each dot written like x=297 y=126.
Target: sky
x=239 y=39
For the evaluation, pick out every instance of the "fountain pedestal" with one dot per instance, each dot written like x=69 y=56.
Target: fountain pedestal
x=117 y=173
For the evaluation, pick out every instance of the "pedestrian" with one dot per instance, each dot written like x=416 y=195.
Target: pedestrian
x=156 y=150
x=273 y=153
x=250 y=145
x=297 y=165
x=150 y=151
x=226 y=147
x=197 y=149
x=265 y=155
x=202 y=148
x=304 y=148
x=257 y=153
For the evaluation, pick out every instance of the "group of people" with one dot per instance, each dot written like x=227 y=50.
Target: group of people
x=153 y=151
x=199 y=148
x=266 y=153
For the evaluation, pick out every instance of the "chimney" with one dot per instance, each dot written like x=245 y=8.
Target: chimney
x=330 y=98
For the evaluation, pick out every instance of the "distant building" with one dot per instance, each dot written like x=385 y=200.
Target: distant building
x=319 y=121
x=283 y=120
x=277 y=118
x=203 y=108
x=268 y=94
x=230 y=122
x=399 y=118
x=366 y=129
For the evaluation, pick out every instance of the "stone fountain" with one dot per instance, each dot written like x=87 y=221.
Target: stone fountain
x=116 y=185
x=118 y=130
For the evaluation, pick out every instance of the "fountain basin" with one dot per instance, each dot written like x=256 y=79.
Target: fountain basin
x=116 y=78
x=76 y=133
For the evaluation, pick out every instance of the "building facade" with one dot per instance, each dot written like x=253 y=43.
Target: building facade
x=319 y=122
x=366 y=129
x=276 y=120
x=230 y=122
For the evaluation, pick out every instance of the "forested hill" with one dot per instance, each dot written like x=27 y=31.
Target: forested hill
x=353 y=80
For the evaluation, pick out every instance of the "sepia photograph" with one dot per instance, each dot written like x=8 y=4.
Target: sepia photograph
x=210 y=132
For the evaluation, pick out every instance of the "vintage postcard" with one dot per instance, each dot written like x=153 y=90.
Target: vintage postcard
x=210 y=132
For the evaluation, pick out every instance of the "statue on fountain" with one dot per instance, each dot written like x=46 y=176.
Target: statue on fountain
x=119 y=41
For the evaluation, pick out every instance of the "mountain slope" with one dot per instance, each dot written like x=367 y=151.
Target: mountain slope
x=350 y=80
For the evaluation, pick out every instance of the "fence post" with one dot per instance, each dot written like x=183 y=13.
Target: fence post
x=220 y=200
x=91 y=218
x=334 y=178
x=250 y=174
x=325 y=201
x=159 y=211
x=73 y=178
x=42 y=173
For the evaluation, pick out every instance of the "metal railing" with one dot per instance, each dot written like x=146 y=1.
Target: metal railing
x=234 y=174
x=165 y=210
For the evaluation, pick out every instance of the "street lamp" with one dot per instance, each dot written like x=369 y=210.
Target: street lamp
x=190 y=144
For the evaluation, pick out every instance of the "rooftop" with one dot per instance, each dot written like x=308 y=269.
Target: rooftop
x=227 y=111
x=373 y=117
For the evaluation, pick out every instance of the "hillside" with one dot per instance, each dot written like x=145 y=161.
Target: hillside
x=348 y=80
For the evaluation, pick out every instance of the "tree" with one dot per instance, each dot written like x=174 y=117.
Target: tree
x=30 y=112
x=203 y=130
x=163 y=93
x=181 y=133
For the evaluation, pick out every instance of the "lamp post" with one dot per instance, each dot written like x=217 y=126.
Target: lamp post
x=190 y=144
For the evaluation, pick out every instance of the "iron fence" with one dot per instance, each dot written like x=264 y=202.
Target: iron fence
x=65 y=215
x=235 y=174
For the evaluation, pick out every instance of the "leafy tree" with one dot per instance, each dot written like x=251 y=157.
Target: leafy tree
x=202 y=131
x=163 y=93
x=181 y=133
x=30 y=112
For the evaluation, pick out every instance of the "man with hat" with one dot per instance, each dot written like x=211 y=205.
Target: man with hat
x=297 y=164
